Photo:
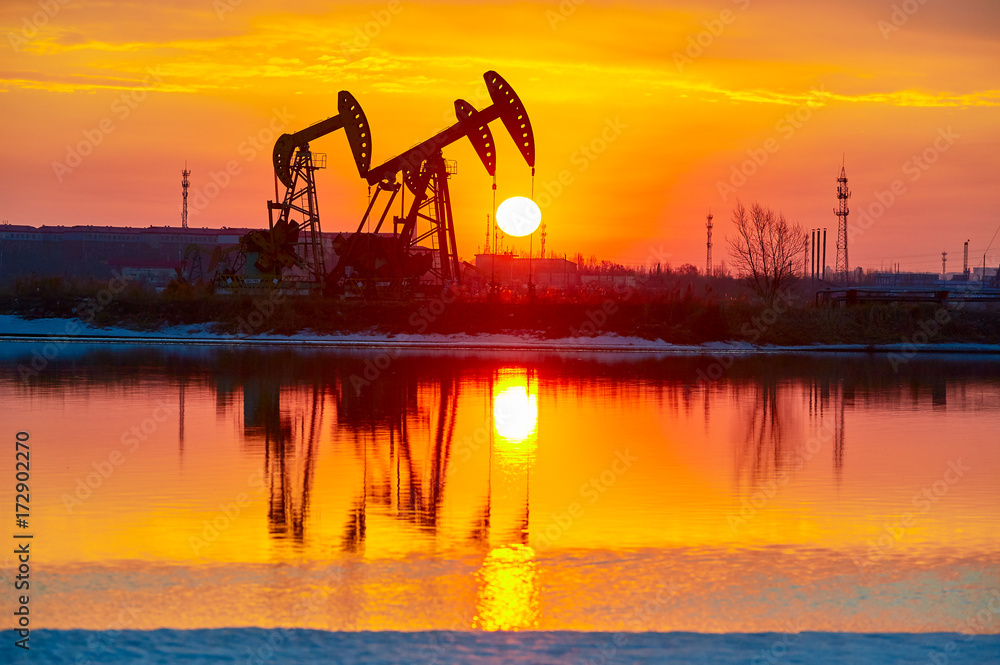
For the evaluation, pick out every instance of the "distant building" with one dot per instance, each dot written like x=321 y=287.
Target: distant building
x=881 y=278
x=977 y=274
x=151 y=255
x=608 y=280
x=510 y=270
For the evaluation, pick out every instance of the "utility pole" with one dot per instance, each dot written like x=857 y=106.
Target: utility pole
x=965 y=262
x=944 y=260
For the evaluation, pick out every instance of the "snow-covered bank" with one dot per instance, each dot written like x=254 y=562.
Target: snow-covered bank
x=14 y=328
x=292 y=647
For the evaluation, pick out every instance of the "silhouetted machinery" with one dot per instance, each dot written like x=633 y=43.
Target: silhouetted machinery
x=294 y=239
x=395 y=261
x=373 y=262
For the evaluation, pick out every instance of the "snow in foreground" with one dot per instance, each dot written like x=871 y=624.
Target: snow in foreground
x=288 y=647
x=70 y=330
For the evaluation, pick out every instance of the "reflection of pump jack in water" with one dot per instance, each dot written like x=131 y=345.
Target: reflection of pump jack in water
x=395 y=480
x=284 y=462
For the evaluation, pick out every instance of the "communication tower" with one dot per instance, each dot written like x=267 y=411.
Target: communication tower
x=843 y=193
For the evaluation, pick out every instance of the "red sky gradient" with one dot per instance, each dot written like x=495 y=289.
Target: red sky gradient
x=205 y=76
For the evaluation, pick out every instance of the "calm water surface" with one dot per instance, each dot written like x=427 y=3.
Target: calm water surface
x=208 y=487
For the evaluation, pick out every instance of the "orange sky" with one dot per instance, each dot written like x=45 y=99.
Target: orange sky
x=206 y=75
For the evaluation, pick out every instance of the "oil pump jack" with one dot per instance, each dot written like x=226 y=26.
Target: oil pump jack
x=295 y=165
x=290 y=242
x=375 y=259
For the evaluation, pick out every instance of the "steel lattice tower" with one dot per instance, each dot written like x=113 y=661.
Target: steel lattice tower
x=843 y=193
x=184 y=189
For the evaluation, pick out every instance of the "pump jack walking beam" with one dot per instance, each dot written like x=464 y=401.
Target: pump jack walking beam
x=425 y=173
x=300 y=242
x=350 y=118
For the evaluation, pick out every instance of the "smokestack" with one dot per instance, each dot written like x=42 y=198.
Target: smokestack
x=824 y=254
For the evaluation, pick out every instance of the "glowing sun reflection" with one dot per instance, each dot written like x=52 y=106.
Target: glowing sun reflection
x=515 y=413
x=508 y=590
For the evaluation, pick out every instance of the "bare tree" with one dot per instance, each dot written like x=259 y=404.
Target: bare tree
x=765 y=249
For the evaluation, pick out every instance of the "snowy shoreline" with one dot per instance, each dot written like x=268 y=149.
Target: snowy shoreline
x=288 y=646
x=63 y=331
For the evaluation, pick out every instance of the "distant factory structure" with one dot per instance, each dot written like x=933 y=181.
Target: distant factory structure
x=904 y=279
x=154 y=254
x=509 y=270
